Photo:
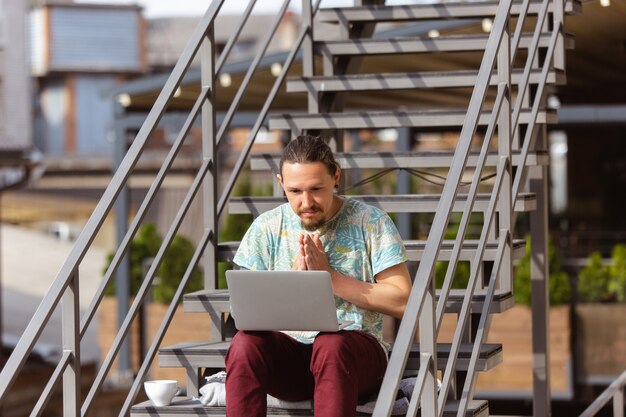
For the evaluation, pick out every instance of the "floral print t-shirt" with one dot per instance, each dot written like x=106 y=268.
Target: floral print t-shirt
x=360 y=241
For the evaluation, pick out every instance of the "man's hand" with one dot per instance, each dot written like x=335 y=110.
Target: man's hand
x=315 y=257
x=300 y=262
x=388 y=295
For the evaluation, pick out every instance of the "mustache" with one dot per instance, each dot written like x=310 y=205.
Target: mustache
x=308 y=209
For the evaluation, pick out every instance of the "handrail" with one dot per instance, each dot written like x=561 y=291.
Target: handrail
x=488 y=221
x=483 y=326
x=245 y=152
x=253 y=66
x=234 y=38
x=39 y=321
x=517 y=37
x=145 y=286
x=532 y=53
x=41 y=317
x=481 y=332
x=614 y=391
x=142 y=211
x=424 y=274
x=46 y=394
x=464 y=223
x=426 y=361
x=529 y=136
x=167 y=319
x=206 y=166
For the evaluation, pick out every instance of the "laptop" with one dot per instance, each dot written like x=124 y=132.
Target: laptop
x=283 y=300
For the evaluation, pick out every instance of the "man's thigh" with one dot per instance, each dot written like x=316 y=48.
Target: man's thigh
x=357 y=350
x=287 y=364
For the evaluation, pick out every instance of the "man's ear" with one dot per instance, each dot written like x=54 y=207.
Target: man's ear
x=280 y=181
x=337 y=177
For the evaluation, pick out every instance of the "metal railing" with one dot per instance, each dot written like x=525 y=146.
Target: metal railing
x=614 y=392
x=422 y=307
x=66 y=284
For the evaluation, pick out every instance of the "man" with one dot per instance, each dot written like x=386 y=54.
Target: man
x=361 y=248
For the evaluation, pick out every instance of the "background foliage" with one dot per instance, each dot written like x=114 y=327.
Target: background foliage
x=559 y=286
x=598 y=282
x=144 y=247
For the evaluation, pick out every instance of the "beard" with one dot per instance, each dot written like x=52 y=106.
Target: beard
x=313 y=223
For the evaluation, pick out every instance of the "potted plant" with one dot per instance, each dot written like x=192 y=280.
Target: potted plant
x=601 y=329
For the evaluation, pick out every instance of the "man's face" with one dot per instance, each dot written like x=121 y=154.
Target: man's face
x=310 y=190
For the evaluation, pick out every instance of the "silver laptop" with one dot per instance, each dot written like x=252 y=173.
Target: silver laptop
x=283 y=300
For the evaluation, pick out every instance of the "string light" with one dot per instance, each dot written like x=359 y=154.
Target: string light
x=487 y=24
x=226 y=80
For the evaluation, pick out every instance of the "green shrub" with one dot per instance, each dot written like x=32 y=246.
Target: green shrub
x=173 y=268
x=461 y=274
x=144 y=247
x=617 y=272
x=593 y=280
x=600 y=283
x=558 y=282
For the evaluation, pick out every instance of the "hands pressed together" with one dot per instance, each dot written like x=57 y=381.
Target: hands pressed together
x=311 y=255
x=387 y=295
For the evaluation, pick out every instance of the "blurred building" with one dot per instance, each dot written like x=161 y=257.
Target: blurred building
x=15 y=101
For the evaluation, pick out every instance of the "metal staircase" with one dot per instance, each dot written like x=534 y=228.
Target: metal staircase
x=521 y=56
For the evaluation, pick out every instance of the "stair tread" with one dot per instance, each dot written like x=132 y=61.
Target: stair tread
x=393 y=118
x=218 y=348
x=219 y=300
x=423 y=44
x=448 y=10
x=400 y=159
x=212 y=354
x=408 y=80
x=455 y=294
x=191 y=407
x=226 y=250
x=399 y=203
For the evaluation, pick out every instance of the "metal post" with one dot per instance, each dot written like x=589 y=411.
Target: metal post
x=71 y=342
x=506 y=201
x=308 y=60
x=122 y=275
x=428 y=345
x=538 y=184
x=403 y=185
x=208 y=54
x=558 y=19
x=618 y=403
x=1 y=308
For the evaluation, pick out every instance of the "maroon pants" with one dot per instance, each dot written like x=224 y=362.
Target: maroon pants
x=336 y=371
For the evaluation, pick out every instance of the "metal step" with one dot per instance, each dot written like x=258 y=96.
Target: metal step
x=182 y=406
x=194 y=355
x=400 y=159
x=415 y=248
x=453 y=10
x=416 y=45
x=407 y=203
x=218 y=301
x=435 y=118
x=407 y=81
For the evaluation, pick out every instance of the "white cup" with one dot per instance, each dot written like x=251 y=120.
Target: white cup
x=161 y=391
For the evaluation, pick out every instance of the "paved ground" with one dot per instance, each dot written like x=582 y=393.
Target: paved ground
x=30 y=261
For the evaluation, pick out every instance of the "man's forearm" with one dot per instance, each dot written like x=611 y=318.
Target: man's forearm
x=385 y=297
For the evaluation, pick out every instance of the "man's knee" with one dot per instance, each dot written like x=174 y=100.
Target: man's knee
x=250 y=346
x=331 y=348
